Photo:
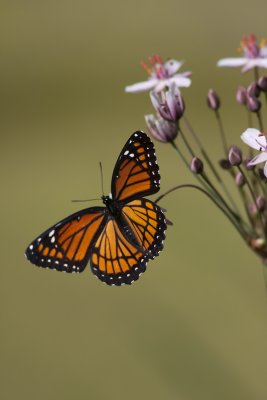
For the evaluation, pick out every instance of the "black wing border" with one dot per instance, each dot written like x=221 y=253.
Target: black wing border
x=152 y=162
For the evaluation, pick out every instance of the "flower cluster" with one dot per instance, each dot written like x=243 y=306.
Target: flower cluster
x=171 y=125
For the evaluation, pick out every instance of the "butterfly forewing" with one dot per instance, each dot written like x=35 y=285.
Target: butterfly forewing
x=66 y=245
x=136 y=173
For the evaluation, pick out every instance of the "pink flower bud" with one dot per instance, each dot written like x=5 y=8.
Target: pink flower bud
x=196 y=165
x=235 y=156
x=253 y=90
x=261 y=203
x=224 y=164
x=262 y=83
x=240 y=179
x=213 y=100
x=253 y=104
x=241 y=95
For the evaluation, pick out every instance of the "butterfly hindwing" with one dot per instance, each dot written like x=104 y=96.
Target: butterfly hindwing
x=121 y=252
x=147 y=223
x=66 y=245
x=136 y=173
x=114 y=259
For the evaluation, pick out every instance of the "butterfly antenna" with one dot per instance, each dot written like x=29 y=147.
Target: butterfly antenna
x=102 y=180
x=81 y=201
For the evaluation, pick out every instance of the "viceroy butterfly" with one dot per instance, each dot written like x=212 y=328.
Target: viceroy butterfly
x=119 y=238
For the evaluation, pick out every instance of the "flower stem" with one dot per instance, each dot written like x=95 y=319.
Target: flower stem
x=260 y=121
x=209 y=187
x=210 y=164
x=232 y=220
x=176 y=148
x=256 y=74
x=222 y=133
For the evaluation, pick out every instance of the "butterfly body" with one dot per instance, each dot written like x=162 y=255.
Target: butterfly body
x=119 y=238
x=113 y=207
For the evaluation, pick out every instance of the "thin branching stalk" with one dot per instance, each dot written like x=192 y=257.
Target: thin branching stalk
x=210 y=164
x=239 y=228
x=222 y=133
x=256 y=74
x=260 y=121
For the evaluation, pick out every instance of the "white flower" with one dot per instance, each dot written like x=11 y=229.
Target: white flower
x=257 y=140
x=254 y=55
x=161 y=75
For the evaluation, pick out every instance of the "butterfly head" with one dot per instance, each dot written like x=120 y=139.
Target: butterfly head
x=112 y=205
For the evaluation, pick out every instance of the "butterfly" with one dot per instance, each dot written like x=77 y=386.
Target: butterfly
x=117 y=239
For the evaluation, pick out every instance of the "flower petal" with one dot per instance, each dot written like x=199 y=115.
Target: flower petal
x=141 y=86
x=172 y=66
x=232 y=62
x=259 y=158
x=265 y=169
x=263 y=51
x=251 y=63
x=262 y=63
x=162 y=84
x=180 y=80
x=253 y=139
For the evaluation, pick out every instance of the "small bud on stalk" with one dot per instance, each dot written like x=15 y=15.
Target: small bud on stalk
x=213 y=100
x=261 y=203
x=262 y=83
x=196 y=165
x=253 y=104
x=224 y=164
x=235 y=156
x=253 y=90
x=240 y=179
x=241 y=95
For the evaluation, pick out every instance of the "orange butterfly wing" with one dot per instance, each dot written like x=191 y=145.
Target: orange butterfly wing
x=66 y=245
x=136 y=173
x=147 y=224
x=121 y=252
x=118 y=243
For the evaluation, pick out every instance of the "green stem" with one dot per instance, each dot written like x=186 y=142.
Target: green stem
x=235 y=224
x=256 y=74
x=187 y=165
x=222 y=133
x=210 y=164
x=207 y=184
x=260 y=121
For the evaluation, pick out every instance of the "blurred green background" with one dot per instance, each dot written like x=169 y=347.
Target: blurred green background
x=194 y=326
